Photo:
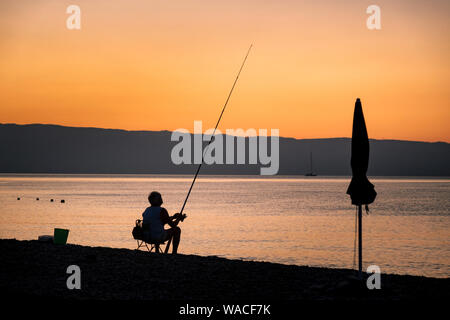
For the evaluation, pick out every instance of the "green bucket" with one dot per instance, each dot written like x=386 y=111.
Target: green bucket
x=60 y=236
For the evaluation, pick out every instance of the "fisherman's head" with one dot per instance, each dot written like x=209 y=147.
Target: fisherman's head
x=155 y=198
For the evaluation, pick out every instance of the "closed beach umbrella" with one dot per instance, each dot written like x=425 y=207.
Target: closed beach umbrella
x=360 y=189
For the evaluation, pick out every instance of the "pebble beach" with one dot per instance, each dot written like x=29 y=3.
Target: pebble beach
x=38 y=269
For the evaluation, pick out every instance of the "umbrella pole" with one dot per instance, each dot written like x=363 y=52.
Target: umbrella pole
x=360 y=239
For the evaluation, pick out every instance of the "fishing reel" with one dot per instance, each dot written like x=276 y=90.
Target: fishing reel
x=180 y=216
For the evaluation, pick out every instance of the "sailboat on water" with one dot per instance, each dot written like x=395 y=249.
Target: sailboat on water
x=311 y=172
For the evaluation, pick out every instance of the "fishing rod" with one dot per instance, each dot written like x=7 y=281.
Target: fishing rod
x=212 y=136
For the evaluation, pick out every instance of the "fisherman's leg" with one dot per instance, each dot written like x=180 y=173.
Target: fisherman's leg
x=168 y=238
x=176 y=233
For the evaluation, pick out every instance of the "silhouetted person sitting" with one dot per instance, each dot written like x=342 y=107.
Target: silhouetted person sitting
x=157 y=216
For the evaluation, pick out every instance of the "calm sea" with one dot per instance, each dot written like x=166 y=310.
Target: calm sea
x=290 y=220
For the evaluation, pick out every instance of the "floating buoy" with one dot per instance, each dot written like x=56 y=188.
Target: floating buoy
x=51 y=200
x=63 y=201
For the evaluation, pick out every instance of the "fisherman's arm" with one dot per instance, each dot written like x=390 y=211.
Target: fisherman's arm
x=172 y=221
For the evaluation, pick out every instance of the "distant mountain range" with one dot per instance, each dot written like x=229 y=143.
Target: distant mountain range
x=40 y=148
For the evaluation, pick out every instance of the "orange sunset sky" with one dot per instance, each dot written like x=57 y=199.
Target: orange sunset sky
x=161 y=64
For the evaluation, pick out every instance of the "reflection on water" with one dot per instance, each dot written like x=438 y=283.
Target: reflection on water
x=304 y=221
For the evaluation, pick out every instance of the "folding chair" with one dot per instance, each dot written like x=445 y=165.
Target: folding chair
x=140 y=234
